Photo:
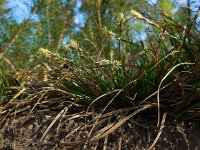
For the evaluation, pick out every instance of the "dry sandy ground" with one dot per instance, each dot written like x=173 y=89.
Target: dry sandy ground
x=70 y=132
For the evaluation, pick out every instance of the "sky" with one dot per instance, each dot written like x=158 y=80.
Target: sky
x=21 y=10
x=22 y=7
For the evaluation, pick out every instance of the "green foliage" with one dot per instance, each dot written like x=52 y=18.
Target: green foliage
x=166 y=5
x=108 y=60
x=9 y=85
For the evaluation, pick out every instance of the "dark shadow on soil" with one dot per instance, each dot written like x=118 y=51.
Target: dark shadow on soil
x=68 y=133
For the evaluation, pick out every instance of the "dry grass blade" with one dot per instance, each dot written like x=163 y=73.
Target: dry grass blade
x=12 y=103
x=159 y=87
x=95 y=148
x=120 y=123
x=103 y=130
x=154 y=94
x=17 y=95
x=27 y=116
x=72 y=132
x=63 y=145
x=62 y=112
x=103 y=95
x=120 y=141
x=105 y=143
x=181 y=130
x=160 y=131
x=111 y=113
x=98 y=117
x=20 y=110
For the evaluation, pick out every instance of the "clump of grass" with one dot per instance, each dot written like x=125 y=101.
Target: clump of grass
x=160 y=73
x=157 y=64
x=9 y=83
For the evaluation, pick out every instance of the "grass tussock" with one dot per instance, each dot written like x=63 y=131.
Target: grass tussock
x=161 y=74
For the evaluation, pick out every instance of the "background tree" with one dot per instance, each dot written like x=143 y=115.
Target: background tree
x=55 y=20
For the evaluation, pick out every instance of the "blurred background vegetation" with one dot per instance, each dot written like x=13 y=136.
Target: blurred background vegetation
x=143 y=39
x=55 y=21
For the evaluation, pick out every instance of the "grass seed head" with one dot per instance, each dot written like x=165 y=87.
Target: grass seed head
x=108 y=33
x=140 y=16
x=121 y=18
x=74 y=44
x=45 y=52
x=137 y=14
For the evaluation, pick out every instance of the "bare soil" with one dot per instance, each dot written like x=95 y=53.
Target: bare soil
x=69 y=129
